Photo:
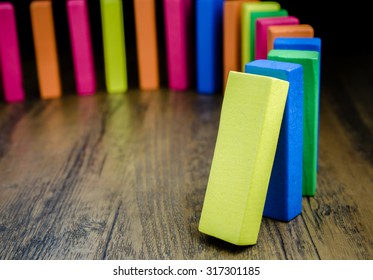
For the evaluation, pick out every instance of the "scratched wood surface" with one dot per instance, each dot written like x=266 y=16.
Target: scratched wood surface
x=124 y=177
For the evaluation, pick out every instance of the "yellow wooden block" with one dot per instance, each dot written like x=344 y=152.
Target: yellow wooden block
x=250 y=121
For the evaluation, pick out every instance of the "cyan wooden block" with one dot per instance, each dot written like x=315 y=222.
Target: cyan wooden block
x=284 y=197
x=209 y=40
x=250 y=121
x=310 y=60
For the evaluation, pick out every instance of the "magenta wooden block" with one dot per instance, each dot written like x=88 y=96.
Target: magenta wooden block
x=178 y=18
x=10 y=61
x=81 y=45
x=261 y=48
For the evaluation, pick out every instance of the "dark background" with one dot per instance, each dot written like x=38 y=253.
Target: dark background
x=343 y=29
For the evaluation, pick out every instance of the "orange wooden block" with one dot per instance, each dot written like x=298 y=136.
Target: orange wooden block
x=295 y=31
x=232 y=36
x=45 y=49
x=147 y=50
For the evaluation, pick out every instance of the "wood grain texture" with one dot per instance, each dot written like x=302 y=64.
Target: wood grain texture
x=124 y=177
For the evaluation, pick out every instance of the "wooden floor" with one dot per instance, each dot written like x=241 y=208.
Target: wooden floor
x=124 y=177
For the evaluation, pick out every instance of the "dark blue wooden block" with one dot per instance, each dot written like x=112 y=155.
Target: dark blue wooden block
x=209 y=30
x=284 y=197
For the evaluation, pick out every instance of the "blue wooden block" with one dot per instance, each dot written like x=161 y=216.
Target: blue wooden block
x=284 y=197
x=306 y=44
x=209 y=41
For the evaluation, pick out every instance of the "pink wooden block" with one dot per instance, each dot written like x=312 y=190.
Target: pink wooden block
x=81 y=46
x=262 y=24
x=10 y=61
x=178 y=27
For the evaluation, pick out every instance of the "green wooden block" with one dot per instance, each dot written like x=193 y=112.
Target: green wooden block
x=310 y=60
x=254 y=17
x=114 y=46
x=250 y=120
x=247 y=9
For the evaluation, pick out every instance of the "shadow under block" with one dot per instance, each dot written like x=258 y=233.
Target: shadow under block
x=255 y=16
x=294 y=31
x=114 y=46
x=310 y=62
x=232 y=37
x=146 y=42
x=284 y=196
x=250 y=121
x=81 y=46
x=209 y=25
x=10 y=60
x=261 y=41
x=247 y=9
x=45 y=49
x=178 y=18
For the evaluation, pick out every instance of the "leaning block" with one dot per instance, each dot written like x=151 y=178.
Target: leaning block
x=10 y=60
x=261 y=44
x=178 y=18
x=209 y=19
x=232 y=36
x=81 y=46
x=250 y=120
x=45 y=49
x=114 y=46
x=255 y=16
x=310 y=60
x=307 y=44
x=146 y=42
x=284 y=197
x=246 y=11
x=295 y=31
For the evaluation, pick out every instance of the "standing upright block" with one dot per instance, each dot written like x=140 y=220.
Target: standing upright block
x=250 y=121
x=284 y=197
x=179 y=29
x=255 y=16
x=45 y=49
x=310 y=60
x=306 y=44
x=261 y=41
x=209 y=27
x=295 y=31
x=246 y=11
x=232 y=36
x=10 y=61
x=114 y=46
x=147 y=48
x=81 y=46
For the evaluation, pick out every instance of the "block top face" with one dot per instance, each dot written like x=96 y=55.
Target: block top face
x=276 y=20
x=298 y=43
x=295 y=54
x=286 y=68
x=6 y=6
x=260 y=4
x=288 y=29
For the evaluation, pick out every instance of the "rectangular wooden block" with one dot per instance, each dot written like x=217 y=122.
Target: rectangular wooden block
x=247 y=9
x=250 y=120
x=45 y=49
x=81 y=46
x=146 y=42
x=178 y=18
x=261 y=44
x=306 y=44
x=114 y=46
x=295 y=31
x=310 y=61
x=284 y=197
x=255 y=16
x=232 y=36
x=10 y=60
x=209 y=29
